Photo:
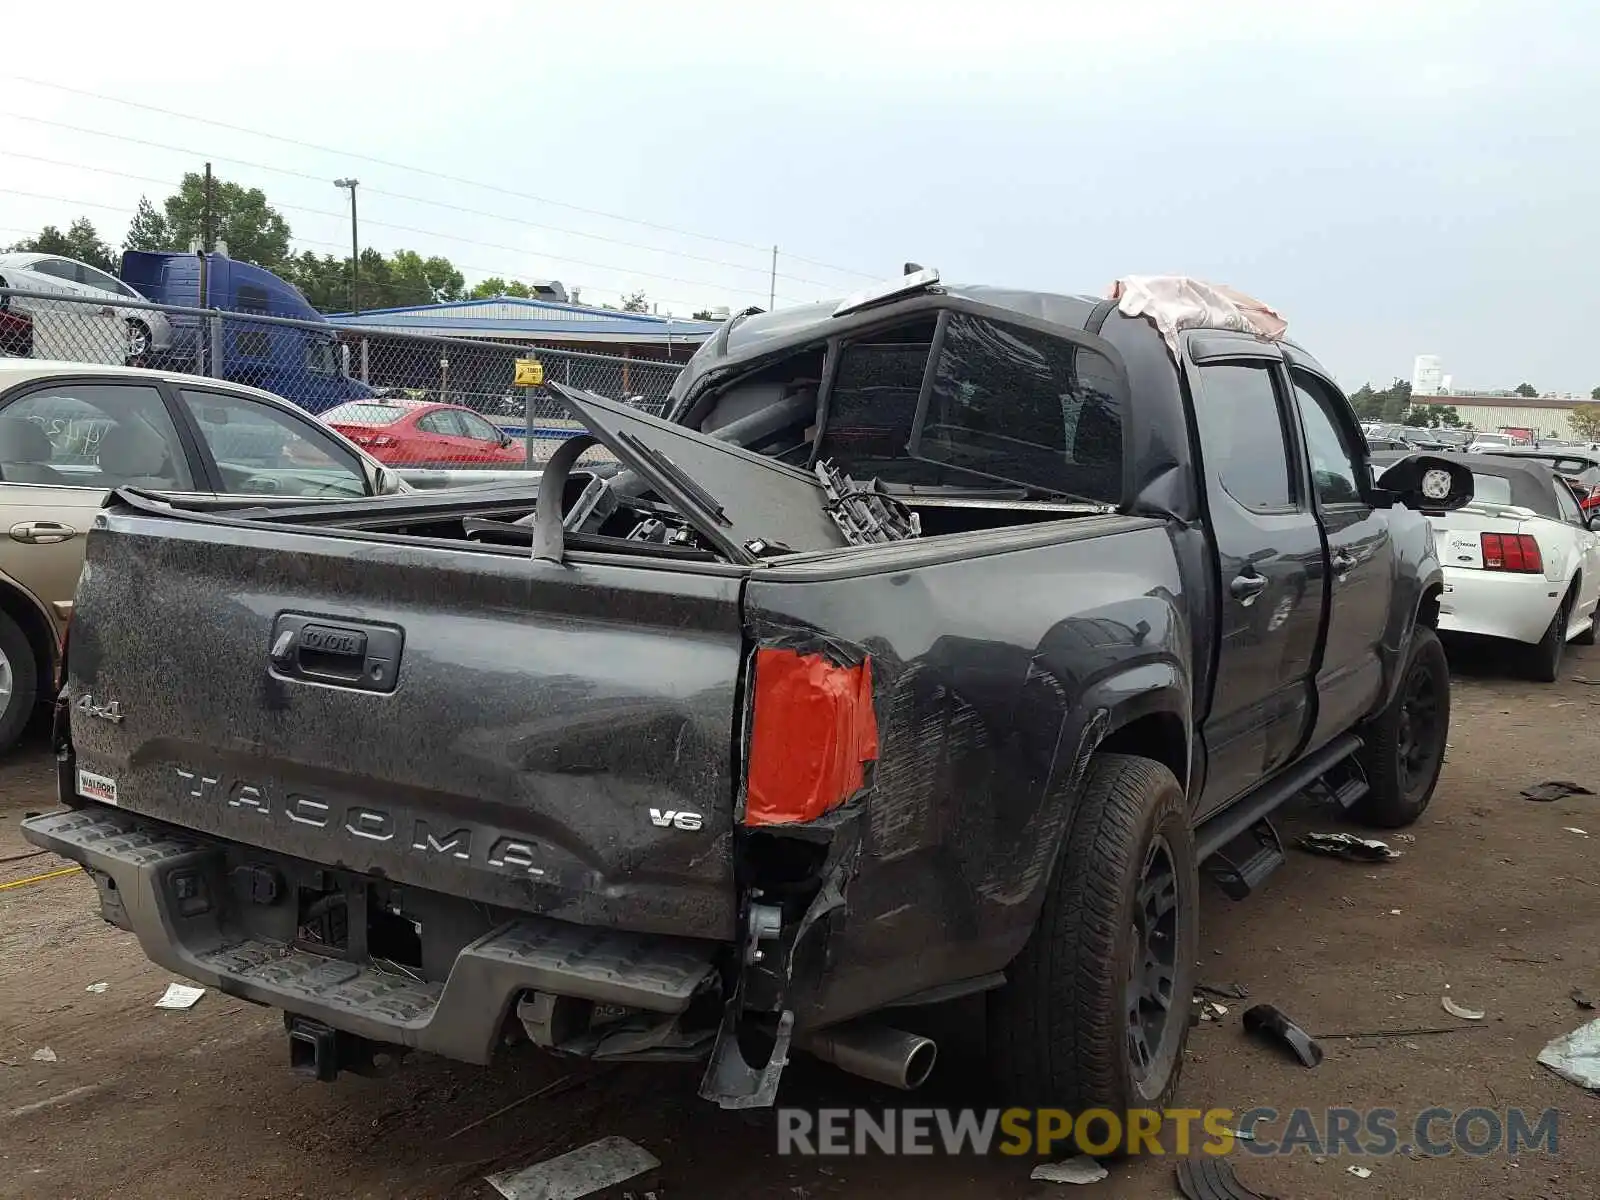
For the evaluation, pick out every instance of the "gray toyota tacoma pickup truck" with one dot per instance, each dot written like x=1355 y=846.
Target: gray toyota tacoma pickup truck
x=939 y=643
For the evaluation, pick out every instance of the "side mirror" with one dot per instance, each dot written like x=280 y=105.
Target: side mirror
x=1426 y=483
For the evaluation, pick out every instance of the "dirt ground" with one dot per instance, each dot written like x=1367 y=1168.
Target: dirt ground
x=1495 y=899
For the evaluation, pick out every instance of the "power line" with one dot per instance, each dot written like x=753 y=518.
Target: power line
x=488 y=272
x=448 y=178
x=322 y=212
x=203 y=154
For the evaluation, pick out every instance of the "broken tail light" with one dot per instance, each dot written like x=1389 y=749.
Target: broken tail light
x=1517 y=552
x=812 y=732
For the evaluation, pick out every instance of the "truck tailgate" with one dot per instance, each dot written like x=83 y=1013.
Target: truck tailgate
x=555 y=739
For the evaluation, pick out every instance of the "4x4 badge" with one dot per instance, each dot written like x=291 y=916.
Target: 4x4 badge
x=106 y=712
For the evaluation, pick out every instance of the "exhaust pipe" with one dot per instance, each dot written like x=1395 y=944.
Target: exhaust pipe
x=875 y=1052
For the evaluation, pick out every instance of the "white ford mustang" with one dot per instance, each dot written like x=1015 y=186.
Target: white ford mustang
x=1520 y=561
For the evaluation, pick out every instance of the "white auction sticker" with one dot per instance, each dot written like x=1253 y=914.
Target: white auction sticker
x=97 y=787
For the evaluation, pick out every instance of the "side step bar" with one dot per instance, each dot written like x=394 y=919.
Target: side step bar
x=1243 y=839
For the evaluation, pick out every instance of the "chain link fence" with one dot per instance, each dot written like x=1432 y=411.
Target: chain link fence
x=409 y=400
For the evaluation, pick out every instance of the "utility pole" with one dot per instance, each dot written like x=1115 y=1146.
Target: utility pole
x=355 y=245
x=206 y=241
x=772 y=288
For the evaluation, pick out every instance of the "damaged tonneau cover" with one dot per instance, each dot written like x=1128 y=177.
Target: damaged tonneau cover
x=735 y=499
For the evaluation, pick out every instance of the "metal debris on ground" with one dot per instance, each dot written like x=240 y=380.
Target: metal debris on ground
x=1360 y=1172
x=1581 y=998
x=1575 y=1056
x=1205 y=1177
x=1457 y=1010
x=180 y=996
x=44 y=1054
x=1554 y=789
x=1397 y=1033
x=97 y=988
x=1082 y=1169
x=1346 y=845
x=1207 y=1010
x=1269 y=1023
x=1576 y=830
x=580 y=1172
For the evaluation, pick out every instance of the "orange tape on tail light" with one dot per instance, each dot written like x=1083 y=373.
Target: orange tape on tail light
x=812 y=732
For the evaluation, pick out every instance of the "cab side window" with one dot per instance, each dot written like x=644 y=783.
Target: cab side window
x=1242 y=435
x=1333 y=459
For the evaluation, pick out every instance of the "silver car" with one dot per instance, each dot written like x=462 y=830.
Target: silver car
x=70 y=432
x=74 y=330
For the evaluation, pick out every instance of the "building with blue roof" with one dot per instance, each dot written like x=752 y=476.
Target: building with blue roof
x=542 y=323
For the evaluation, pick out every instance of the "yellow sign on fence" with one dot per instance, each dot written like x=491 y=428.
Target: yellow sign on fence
x=530 y=373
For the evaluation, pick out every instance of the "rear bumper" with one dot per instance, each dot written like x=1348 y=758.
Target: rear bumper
x=173 y=890
x=1498 y=604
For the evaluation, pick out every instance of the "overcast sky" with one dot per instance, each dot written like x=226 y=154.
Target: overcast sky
x=1396 y=177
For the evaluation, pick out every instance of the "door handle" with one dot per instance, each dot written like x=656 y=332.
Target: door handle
x=41 y=533
x=1246 y=588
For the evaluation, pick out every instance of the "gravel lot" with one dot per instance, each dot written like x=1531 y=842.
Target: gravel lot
x=1495 y=898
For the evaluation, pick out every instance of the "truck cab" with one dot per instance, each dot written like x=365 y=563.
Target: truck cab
x=297 y=362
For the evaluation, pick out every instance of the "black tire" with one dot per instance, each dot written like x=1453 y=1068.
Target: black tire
x=1545 y=665
x=1404 y=749
x=1062 y=1030
x=19 y=682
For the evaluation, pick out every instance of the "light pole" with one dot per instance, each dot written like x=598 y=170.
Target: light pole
x=355 y=245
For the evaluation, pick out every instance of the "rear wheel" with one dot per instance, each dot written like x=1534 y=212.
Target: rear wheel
x=19 y=682
x=1545 y=665
x=1404 y=748
x=1095 y=1010
x=138 y=342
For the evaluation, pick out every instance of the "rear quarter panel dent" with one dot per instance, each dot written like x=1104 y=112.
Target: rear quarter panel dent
x=993 y=677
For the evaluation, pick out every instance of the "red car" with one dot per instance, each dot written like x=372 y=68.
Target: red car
x=16 y=332
x=417 y=433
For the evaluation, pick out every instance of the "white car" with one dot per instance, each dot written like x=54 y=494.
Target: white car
x=1488 y=443
x=1520 y=562
x=135 y=334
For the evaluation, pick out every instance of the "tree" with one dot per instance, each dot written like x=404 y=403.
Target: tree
x=635 y=303
x=254 y=231
x=1448 y=416
x=1526 y=389
x=705 y=314
x=80 y=241
x=1396 y=400
x=1366 y=403
x=435 y=279
x=495 y=286
x=1595 y=395
x=324 y=281
x=1585 y=421
x=148 y=229
x=1419 y=417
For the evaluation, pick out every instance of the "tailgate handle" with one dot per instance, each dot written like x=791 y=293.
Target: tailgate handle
x=348 y=654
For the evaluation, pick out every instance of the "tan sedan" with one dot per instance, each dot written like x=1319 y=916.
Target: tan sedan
x=70 y=432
